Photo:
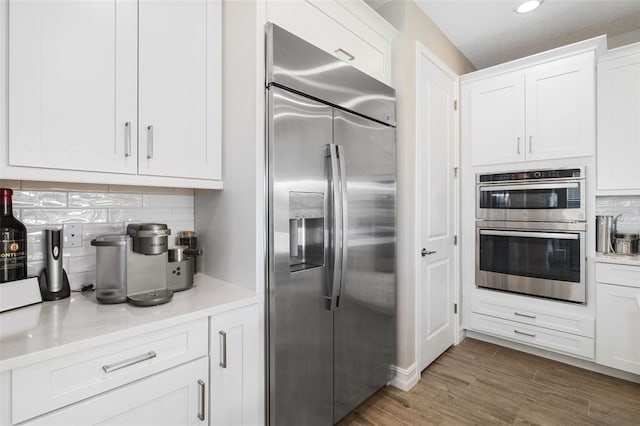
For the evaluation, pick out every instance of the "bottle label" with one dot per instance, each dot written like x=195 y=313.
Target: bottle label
x=12 y=254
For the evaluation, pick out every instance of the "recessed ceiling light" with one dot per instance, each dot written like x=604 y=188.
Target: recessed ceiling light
x=527 y=6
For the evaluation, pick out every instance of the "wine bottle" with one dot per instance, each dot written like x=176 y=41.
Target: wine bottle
x=13 y=241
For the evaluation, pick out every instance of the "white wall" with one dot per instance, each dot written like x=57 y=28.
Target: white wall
x=413 y=25
x=226 y=221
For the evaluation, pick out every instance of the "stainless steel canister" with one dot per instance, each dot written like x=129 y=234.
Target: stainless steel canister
x=626 y=243
x=605 y=230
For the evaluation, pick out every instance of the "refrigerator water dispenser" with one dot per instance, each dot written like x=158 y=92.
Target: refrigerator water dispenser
x=306 y=230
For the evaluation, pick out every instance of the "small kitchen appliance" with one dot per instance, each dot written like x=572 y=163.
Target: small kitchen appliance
x=605 y=230
x=111 y=268
x=180 y=269
x=54 y=283
x=146 y=264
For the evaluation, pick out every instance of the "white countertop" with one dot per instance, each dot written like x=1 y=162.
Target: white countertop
x=52 y=329
x=621 y=259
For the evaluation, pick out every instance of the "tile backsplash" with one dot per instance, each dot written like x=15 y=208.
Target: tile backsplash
x=99 y=209
x=628 y=207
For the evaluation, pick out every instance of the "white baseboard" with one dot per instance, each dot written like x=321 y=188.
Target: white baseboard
x=405 y=379
x=577 y=362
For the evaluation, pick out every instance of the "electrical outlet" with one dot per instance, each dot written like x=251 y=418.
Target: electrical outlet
x=72 y=234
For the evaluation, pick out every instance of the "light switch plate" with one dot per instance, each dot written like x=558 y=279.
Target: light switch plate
x=72 y=234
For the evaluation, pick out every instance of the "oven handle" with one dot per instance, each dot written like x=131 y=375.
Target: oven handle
x=523 y=187
x=555 y=235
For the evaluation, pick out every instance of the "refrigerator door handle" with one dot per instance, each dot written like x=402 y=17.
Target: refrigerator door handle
x=336 y=229
x=344 y=227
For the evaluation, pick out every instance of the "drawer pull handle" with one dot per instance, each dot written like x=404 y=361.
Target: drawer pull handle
x=129 y=362
x=201 y=385
x=344 y=52
x=524 y=334
x=223 y=349
x=524 y=315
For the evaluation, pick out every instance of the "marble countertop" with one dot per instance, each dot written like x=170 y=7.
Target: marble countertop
x=52 y=329
x=621 y=259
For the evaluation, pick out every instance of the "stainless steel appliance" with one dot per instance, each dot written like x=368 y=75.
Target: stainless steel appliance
x=54 y=283
x=532 y=195
x=181 y=267
x=111 y=268
x=147 y=264
x=538 y=258
x=626 y=243
x=331 y=282
x=605 y=231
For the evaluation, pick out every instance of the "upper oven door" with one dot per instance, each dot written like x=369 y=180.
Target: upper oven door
x=556 y=201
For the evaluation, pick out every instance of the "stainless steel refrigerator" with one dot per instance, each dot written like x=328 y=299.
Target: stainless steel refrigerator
x=331 y=281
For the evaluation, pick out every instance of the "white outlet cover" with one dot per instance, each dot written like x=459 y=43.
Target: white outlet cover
x=72 y=234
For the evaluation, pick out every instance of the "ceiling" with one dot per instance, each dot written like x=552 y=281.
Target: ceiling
x=490 y=33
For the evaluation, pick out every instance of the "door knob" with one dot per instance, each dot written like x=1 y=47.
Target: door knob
x=426 y=252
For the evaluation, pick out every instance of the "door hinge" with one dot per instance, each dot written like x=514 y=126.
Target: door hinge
x=455 y=105
x=455 y=240
x=455 y=308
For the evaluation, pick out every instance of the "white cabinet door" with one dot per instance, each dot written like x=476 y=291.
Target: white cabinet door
x=618 y=327
x=173 y=397
x=560 y=108
x=237 y=383
x=619 y=122
x=179 y=101
x=495 y=119
x=72 y=85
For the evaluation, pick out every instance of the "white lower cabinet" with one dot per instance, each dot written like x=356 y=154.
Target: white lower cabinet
x=618 y=317
x=236 y=354
x=547 y=325
x=173 y=397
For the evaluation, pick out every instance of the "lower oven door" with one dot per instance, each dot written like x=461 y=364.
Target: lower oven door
x=541 y=262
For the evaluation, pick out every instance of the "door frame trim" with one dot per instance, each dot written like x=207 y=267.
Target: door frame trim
x=423 y=51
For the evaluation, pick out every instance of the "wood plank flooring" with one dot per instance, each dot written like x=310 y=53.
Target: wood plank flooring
x=479 y=383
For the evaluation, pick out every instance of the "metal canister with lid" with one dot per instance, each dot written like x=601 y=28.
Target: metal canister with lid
x=626 y=243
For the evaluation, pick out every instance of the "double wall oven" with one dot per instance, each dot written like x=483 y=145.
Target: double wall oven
x=530 y=233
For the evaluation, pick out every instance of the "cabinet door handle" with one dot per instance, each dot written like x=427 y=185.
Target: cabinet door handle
x=149 y=141
x=127 y=139
x=518 y=145
x=530 y=144
x=201 y=402
x=344 y=52
x=524 y=334
x=524 y=315
x=128 y=362
x=223 y=349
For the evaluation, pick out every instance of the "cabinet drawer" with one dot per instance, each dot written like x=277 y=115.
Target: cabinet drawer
x=54 y=383
x=530 y=315
x=363 y=50
x=613 y=273
x=544 y=338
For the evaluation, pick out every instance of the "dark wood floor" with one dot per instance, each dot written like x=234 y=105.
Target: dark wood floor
x=478 y=383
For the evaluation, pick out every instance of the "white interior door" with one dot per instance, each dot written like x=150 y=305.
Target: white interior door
x=435 y=134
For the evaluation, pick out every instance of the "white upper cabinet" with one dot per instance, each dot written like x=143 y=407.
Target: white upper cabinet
x=560 y=108
x=179 y=88
x=496 y=119
x=103 y=90
x=72 y=85
x=619 y=120
x=347 y=29
x=537 y=108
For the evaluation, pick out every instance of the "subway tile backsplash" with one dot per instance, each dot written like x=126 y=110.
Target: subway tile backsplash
x=628 y=207
x=100 y=209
